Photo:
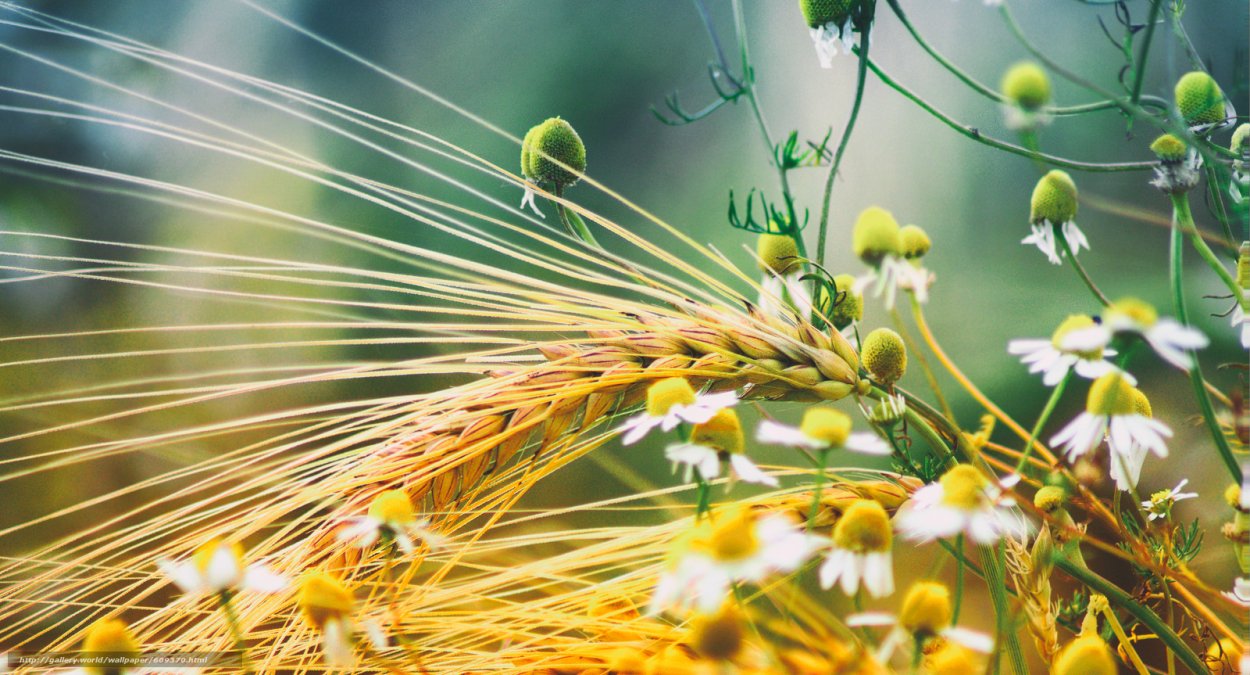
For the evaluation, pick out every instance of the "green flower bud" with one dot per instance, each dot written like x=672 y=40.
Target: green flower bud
x=1240 y=136
x=1050 y=498
x=875 y=235
x=779 y=254
x=1169 y=148
x=850 y=306
x=884 y=355
x=546 y=147
x=1199 y=99
x=1027 y=85
x=914 y=242
x=817 y=13
x=1054 y=199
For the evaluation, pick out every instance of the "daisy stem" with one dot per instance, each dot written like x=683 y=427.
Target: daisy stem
x=819 y=486
x=704 y=499
x=912 y=348
x=236 y=631
x=1116 y=627
x=1200 y=245
x=1216 y=195
x=1119 y=598
x=573 y=222
x=1183 y=220
x=1055 y=395
x=959 y=578
x=861 y=75
x=1080 y=269
x=993 y=564
x=1139 y=70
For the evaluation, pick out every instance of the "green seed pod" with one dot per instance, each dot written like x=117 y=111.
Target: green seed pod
x=779 y=254
x=1027 y=85
x=1054 y=199
x=1169 y=148
x=1199 y=99
x=1238 y=144
x=546 y=147
x=914 y=242
x=817 y=13
x=884 y=355
x=875 y=235
x=851 y=304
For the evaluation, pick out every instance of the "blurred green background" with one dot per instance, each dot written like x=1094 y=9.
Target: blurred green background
x=601 y=65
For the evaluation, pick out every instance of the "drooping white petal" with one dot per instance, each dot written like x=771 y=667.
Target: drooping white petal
x=971 y=639
x=260 y=579
x=695 y=457
x=336 y=643
x=746 y=470
x=222 y=571
x=184 y=575
x=868 y=443
x=638 y=426
x=777 y=433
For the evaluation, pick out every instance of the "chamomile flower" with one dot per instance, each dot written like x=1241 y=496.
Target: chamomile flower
x=1118 y=411
x=831 y=25
x=716 y=440
x=551 y=153
x=1171 y=340
x=670 y=402
x=738 y=546
x=328 y=606
x=1160 y=503
x=861 y=553
x=877 y=240
x=218 y=567
x=1179 y=166
x=822 y=428
x=391 y=518
x=963 y=501
x=781 y=288
x=1053 y=361
x=1026 y=87
x=887 y=412
x=926 y=614
x=1052 y=214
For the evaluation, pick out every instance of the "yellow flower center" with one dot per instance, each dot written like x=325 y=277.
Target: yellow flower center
x=392 y=506
x=1050 y=498
x=723 y=432
x=112 y=637
x=863 y=527
x=954 y=659
x=1111 y=394
x=1086 y=655
x=322 y=597
x=827 y=425
x=963 y=487
x=875 y=235
x=733 y=539
x=1072 y=323
x=778 y=253
x=926 y=609
x=203 y=556
x=666 y=393
x=1139 y=311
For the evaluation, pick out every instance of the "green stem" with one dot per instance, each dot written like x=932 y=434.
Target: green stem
x=1139 y=71
x=1123 y=600
x=1182 y=220
x=1080 y=269
x=959 y=579
x=1200 y=245
x=977 y=136
x=995 y=581
x=236 y=630
x=574 y=223
x=861 y=76
x=820 y=485
x=1042 y=419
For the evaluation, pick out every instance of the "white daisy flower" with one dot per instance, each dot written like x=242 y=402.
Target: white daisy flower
x=926 y=613
x=861 y=553
x=1121 y=413
x=670 y=402
x=716 y=440
x=1043 y=237
x=962 y=501
x=391 y=518
x=1160 y=503
x=1241 y=318
x=891 y=274
x=822 y=428
x=738 y=546
x=328 y=607
x=1170 y=339
x=1179 y=175
x=217 y=567
x=1054 y=362
x=1052 y=213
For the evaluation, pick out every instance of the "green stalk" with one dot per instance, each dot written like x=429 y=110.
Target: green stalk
x=860 y=76
x=1183 y=220
x=236 y=630
x=1042 y=419
x=1139 y=71
x=959 y=579
x=574 y=223
x=820 y=485
x=992 y=563
x=1080 y=269
x=1200 y=245
x=1152 y=621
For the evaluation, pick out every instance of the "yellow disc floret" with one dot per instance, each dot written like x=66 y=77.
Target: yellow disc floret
x=733 y=537
x=779 y=254
x=1050 y=497
x=392 y=506
x=109 y=638
x=926 y=609
x=1138 y=311
x=953 y=658
x=667 y=393
x=817 y=13
x=322 y=598
x=1111 y=394
x=723 y=432
x=203 y=556
x=884 y=356
x=1026 y=85
x=913 y=242
x=875 y=235
x=1075 y=322
x=963 y=487
x=864 y=528
x=1086 y=655
x=552 y=152
x=1054 y=199
x=826 y=424
x=1199 y=99
x=1169 y=148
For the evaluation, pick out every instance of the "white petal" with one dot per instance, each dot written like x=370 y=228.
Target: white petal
x=184 y=575
x=747 y=471
x=871 y=619
x=879 y=574
x=867 y=443
x=971 y=639
x=223 y=570
x=783 y=434
x=261 y=579
x=336 y=644
x=638 y=426
x=1086 y=339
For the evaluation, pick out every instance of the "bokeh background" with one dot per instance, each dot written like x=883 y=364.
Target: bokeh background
x=601 y=65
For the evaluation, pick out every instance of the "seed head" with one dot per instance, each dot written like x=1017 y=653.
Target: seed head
x=926 y=609
x=820 y=12
x=779 y=254
x=1243 y=266
x=1054 y=199
x=1110 y=395
x=863 y=527
x=322 y=598
x=109 y=637
x=1232 y=495
x=826 y=424
x=723 y=432
x=1199 y=99
x=850 y=305
x=914 y=242
x=667 y=393
x=1086 y=655
x=884 y=355
x=875 y=235
x=546 y=147
x=1027 y=85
